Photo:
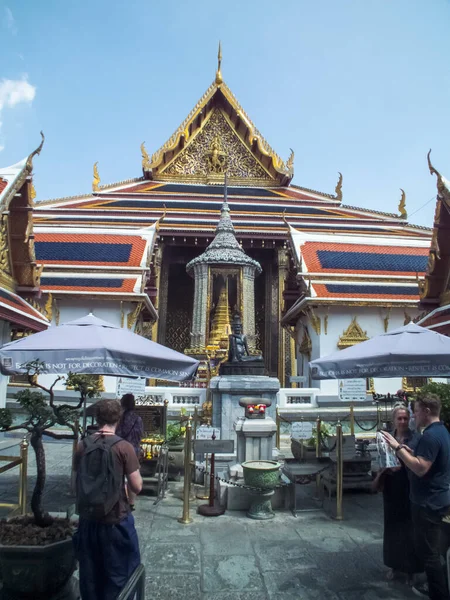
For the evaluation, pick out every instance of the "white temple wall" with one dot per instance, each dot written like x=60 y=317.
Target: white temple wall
x=370 y=319
x=5 y=337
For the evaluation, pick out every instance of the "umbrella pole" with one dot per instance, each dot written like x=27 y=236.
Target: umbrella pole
x=84 y=415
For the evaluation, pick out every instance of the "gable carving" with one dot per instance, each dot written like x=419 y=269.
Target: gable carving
x=214 y=150
x=352 y=335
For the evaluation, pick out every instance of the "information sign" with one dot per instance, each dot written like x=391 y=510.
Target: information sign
x=302 y=430
x=206 y=433
x=352 y=390
x=128 y=385
x=213 y=446
x=152 y=418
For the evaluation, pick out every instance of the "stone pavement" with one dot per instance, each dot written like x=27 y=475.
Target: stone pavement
x=232 y=557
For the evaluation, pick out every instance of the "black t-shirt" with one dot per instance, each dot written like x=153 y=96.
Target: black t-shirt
x=433 y=489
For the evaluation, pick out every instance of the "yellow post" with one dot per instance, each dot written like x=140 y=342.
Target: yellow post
x=278 y=436
x=352 y=419
x=23 y=476
x=339 y=471
x=185 y=519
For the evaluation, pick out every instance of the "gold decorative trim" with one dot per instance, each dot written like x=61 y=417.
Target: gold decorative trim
x=57 y=312
x=305 y=346
x=402 y=205
x=325 y=321
x=145 y=158
x=411 y=384
x=352 y=335
x=407 y=319
x=315 y=319
x=29 y=165
x=386 y=319
x=219 y=79
x=132 y=316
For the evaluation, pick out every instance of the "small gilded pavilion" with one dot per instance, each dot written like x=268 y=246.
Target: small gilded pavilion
x=126 y=245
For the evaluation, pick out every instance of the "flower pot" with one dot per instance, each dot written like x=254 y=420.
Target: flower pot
x=264 y=476
x=37 y=572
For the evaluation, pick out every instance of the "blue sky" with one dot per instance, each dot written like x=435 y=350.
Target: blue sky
x=357 y=86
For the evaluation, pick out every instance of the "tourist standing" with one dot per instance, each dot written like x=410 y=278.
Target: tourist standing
x=106 y=541
x=429 y=466
x=398 y=542
x=131 y=429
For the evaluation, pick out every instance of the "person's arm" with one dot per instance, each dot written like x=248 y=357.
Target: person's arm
x=419 y=465
x=134 y=482
x=131 y=465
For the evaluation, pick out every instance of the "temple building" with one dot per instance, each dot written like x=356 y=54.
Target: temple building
x=435 y=290
x=20 y=311
x=316 y=269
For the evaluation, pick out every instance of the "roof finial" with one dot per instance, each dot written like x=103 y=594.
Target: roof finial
x=219 y=79
x=33 y=154
x=338 y=188
x=402 y=205
x=442 y=189
x=96 y=180
x=145 y=158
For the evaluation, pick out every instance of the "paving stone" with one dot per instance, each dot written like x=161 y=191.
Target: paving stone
x=283 y=555
x=378 y=591
x=170 y=530
x=219 y=539
x=305 y=584
x=170 y=557
x=235 y=596
x=346 y=570
x=237 y=572
x=271 y=530
x=176 y=586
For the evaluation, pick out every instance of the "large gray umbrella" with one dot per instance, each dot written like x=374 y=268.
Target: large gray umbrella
x=90 y=345
x=410 y=351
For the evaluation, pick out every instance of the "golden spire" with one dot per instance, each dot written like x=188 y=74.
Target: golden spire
x=145 y=158
x=338 y=188
x=220 y=326
x=219 y=79
x=402 y=205
x=96 y=181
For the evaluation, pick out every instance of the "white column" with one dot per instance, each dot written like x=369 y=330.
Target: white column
x=248 y=318
x=5 y=334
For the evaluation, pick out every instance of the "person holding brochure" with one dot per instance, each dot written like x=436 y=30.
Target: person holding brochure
x=392 y=479
x=429 y=469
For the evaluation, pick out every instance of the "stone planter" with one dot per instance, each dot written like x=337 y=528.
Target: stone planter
x=175 y=459
x=264 y=476
x=37 y=572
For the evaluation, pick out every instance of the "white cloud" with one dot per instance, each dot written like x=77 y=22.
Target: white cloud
x=14 y=92
x=10 y=21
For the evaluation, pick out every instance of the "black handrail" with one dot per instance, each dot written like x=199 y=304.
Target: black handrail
x=135 y=585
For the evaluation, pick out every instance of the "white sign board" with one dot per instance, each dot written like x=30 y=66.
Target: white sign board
x=213 y=446
x=352 y=390
x=127 y=385
x=302 y=430
x=206 y=433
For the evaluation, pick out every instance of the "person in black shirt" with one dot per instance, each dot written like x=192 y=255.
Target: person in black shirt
x=429 y=466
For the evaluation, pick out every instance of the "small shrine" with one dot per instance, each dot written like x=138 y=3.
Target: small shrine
x=224 y=286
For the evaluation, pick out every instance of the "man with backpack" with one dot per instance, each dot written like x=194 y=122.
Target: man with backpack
x=106 y=541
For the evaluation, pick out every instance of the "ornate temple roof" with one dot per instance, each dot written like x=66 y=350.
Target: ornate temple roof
x=224 y=249
x=104 y=262
x=346 y=269
x=15 y=309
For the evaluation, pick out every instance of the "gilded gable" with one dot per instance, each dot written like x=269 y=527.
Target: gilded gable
x=215 y=149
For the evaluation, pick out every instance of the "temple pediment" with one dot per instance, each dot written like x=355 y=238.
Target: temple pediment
x=218 y=136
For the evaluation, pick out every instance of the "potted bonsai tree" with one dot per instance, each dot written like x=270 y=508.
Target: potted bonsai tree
x=36 y=554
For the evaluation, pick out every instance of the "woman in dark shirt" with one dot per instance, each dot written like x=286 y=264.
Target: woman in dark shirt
x=131 y=429
x=398 y=546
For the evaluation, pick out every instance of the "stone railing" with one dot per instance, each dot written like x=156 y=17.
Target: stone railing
x=297 y=397
x=177 y=396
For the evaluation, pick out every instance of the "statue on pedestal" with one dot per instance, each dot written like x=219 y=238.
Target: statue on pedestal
x=240 y=361
x=238 y=347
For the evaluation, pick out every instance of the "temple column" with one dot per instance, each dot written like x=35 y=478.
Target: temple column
x=200 y=312
x=248 y=317
x=283 y=347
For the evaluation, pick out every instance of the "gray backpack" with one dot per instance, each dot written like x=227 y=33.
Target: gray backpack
x=99 y=485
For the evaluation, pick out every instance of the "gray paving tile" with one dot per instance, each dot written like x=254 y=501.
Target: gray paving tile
x=177 y=586
x=283 y=555
x=237 y=572
x=305 y=584
x=378 y=591
x=271 y=530
x=172 y=558
x=219 y=539
x=234 y=596
x=166 y=530
x=346 y=570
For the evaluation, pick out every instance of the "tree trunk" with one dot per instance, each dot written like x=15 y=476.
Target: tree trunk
x=36 y=500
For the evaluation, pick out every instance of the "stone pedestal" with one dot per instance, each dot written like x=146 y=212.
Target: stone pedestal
x=255 y=439
x=228 y=389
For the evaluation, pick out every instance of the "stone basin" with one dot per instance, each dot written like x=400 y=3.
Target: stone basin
x=264 y=474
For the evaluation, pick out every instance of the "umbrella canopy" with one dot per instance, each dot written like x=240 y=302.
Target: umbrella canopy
x=90 y=345
x=410 y=351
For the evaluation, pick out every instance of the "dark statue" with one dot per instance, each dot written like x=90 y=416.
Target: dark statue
x=240 y=361
x=238 y=351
